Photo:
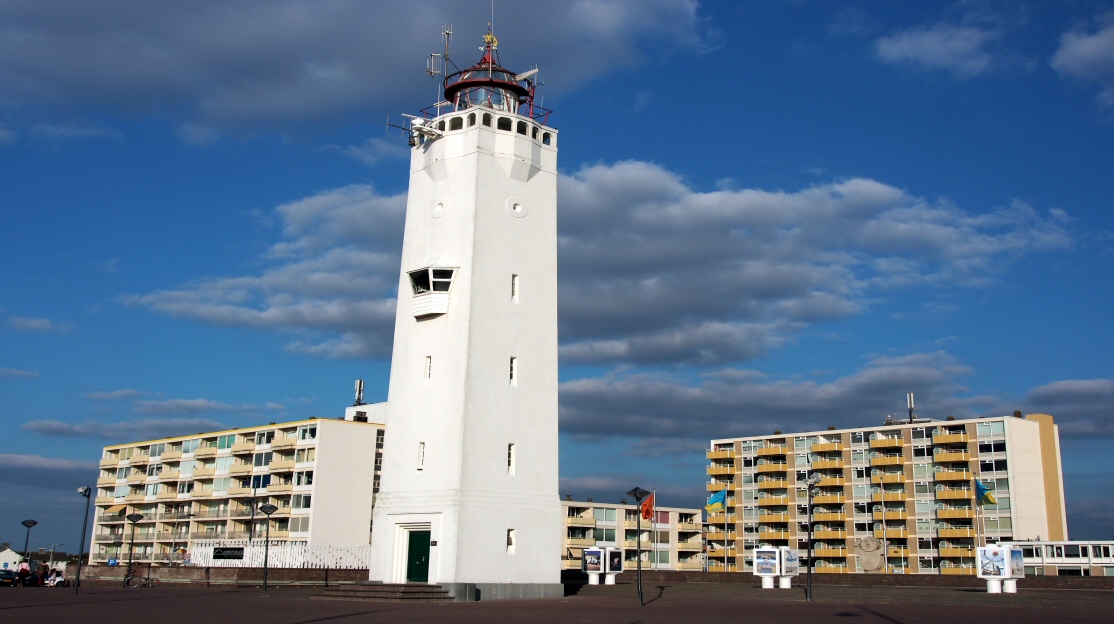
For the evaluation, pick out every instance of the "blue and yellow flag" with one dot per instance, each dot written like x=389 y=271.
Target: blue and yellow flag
x=983 y=495
x=717 y=502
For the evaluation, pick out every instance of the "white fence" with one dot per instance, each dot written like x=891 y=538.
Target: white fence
x=281 y=555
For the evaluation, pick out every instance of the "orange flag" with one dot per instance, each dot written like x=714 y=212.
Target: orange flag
x=648 y=508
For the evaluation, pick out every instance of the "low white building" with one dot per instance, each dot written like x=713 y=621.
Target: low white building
x=9 y=559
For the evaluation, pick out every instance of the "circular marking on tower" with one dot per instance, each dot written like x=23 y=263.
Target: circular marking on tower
x=517 y=208
x=437 y=210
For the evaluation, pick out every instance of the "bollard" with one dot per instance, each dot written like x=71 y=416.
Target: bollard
x=609 y=579
x=785 y=582
x=593 y=579
x=767 y=582
x=1009 y=586
x=993 y=586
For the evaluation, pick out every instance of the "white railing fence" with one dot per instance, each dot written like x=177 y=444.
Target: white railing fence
x=281 y=555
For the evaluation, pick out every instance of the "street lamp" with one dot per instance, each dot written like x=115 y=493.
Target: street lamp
x=638 y=494
x=133 y=518
x=27 y=542
x=50 y=561
x=812 y=483
x=86 y=492
x=268 y=509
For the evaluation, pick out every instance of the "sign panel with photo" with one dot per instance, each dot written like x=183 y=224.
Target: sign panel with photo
x=1017 y=563
x=766 y=562
x=614 y=560
x=593 y=561
x=991 y=561
x=790 y=561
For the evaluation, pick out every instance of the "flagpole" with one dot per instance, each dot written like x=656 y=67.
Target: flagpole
x=653 y=532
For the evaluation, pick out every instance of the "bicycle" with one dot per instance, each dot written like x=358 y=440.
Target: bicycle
x=131 y=579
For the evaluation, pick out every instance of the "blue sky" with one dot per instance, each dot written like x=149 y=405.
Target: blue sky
x=771 y=215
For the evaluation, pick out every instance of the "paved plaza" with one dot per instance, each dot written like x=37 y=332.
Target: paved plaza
x=609 y=605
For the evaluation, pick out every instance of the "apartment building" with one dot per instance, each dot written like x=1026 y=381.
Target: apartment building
x=910 y=485
x=322 y=474
x=673 y=541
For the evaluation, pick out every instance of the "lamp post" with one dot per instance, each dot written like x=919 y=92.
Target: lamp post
x=27 y=542
x=50 y=560
x=812 y=483
x=638 y=494
x=133 y=518
x=87 y=493
x=267 y=509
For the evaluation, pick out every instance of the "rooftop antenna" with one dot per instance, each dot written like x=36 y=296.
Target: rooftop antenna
x=359 y=392
x=909 y=400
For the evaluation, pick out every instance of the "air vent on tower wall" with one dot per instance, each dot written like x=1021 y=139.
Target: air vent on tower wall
x=431 y=287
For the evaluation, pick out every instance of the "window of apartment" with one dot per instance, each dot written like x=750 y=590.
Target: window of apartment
x=156 y=450
x=802 y=476
x=221 y=484
x=299 y=524
x=261 y=459
x=190 y=446
x=185 y=487
x=187 y=467
x=922 y=470
x=305 y=455
x=304 y=477
x=151 y=490
x=421 y=455
x=925 y=506
x=510 y=537
x=924 y=526
x=122 y=473
x=747 y=477
x=300 y=501
x=154 y=469
x=750 y=512
x=861 y=491
x=260 y=481
x=514 y=371
x=990 y=429
x=307 y=432
x=861 y=508
x=264 y=437
x=800 y=443
x=858 y=456
x=603 y=535
x=922 y=451
x=919 y=433
x=801 y=460
x=750 y=495
x=514 y=288
x=224 y=463
x=996 y=446
x=748 y=462
x=603 y=513
x=862 y=527
x=226 y=441
x=992 y=465
x=510 y=459
x=921 y=488
x=858 y=437
x=859 y=473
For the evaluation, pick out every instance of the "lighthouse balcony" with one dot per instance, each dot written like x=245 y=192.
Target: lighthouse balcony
x=431 y=286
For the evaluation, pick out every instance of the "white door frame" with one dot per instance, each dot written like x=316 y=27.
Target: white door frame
x=402 y=547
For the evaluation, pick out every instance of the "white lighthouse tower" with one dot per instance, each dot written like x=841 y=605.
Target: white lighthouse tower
x=469 y=493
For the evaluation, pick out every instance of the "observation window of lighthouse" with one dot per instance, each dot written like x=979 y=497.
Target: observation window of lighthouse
x=441 y=125
x=504 y=124
x=456 y=123
x=431 y=280
x=534 y=135
x=521 y=128
x=471 y=119
x=487 y=119
x=545 y=138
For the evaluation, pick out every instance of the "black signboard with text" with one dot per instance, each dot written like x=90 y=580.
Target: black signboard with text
x=228 y=553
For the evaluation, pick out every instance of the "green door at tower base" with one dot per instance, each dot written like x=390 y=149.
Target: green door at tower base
x=417 y=557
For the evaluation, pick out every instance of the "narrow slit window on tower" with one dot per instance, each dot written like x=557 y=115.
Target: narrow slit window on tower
x=545 y=138
x=471 y=119
x=421 y=455
x=522 y=128
x=514 y=371
x=504 y=123
x=487 y=119
x=534 y=134
x=510 y=459
x=510 y=541
x=428 y=367
x=456 y=123
x=514 y=288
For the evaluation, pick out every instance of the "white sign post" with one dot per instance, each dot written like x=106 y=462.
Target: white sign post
x=592 y=563
x=1001 y=567
x=790 y=566
x=767 y=565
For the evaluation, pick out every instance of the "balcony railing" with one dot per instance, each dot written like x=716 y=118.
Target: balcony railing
x=887 y=460
x=879 y=497
x=825 y=447
x=952 y=475
x=768 y=501
x=953 y=493
x=580 y=521
x=886 y=443
x=890 y=477
x=829 y=499
x=827 y=464
x=772 y=450
x=956 y=552
x=966 y=513
x=891 y=515
x=720 y=454
x=950 y=438
x=952 y=456
x=772 y=467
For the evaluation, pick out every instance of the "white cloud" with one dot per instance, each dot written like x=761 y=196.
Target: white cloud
x=15 y=372
x=1082 y=407
x=1089 y=57
x=652 y=270
x=46 y=472
x=252 y=64
x=23 y=323
x=962 y=50
x=149 y=429
x=114 y=395
x=372 y=151
x=72 y=132
x=7 y=135
x=167 y=407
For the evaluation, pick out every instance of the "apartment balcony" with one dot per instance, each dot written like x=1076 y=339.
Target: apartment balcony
x=169 y=475
x=106 y=481
x=953 y=475
x=169 y=455
x=690 y=565
x=646 y=544
x=105 y=500
x=243 y=447
x=887 y=460
x=201 y=473
x=175 y=516
x=689 y=526
x=714 y=567
x=956 y=552
x=724 y=454
x=108 y=537
x=891 y=515
x=829 y=534
x=239 y=491
x=829 y=499
x=951 y=438
x=953 y=493
x=829 y=552
x=772 y=467
x=578 y=521
x=768 y=451
x=282 y=443
x=772 y=501
x=206 y=514
x=720 y=470
x=109 y=462
x=958 y=571
x=879 y=497
x=772 y=534
x=773 y=484
x=880 y=443
x=891 y=533
x=713 y=520
x=951 y=456
x=206 y=451
x=167 y=495
x=829 y=517
x=966 y=513
x=240 y=469
x=898 y=477
x=897 y=551
x=135 y=498
x=827 y=464
x=285 y=464
x=956 y=532
x=201 y=493
x=690 y=545
x=139 y=460
x=210 y=535
x=827 y=447
x=773 y=517
x=277 y=534
x=137 y=478
x=832 y=482
x=722 y=485
x=714 y=536
x=831 y=570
